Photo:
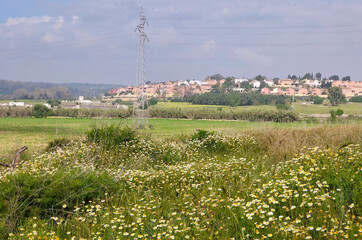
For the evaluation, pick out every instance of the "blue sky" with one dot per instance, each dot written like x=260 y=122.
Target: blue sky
x=94 y=40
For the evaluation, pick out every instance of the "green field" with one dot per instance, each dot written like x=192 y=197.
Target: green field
x=37 y=132
x=277 y=181
x=350 y=108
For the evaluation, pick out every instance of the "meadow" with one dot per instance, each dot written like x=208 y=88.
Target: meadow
x=350 y=108
x=37 y=132
x=180 y=179
x=201 y=186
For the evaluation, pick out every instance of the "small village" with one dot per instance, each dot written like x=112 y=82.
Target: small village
x=289 y=87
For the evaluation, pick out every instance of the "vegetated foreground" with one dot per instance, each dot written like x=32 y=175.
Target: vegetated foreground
x=210 y=186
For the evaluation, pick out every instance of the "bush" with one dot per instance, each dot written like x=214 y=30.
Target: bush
x=339 y=112
x=316 y=99
x=57 y=143
x=201 y=134
x=24 y=195
x=283 y=107
x=41 y=111
x=112 y=136
x=152 y=101
x=356 y=99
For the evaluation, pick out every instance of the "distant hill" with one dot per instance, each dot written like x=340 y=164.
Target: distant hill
x=8 y=87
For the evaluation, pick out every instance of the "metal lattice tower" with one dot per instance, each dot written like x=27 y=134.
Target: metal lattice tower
x=140 y=105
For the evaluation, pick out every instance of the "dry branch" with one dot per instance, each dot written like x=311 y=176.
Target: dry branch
x=16 y=159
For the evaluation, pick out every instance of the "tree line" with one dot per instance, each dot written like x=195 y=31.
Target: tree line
x=234 y=99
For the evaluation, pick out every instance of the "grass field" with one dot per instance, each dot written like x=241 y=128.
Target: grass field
x=350 y=108
x=36 y=133
x=215 y=186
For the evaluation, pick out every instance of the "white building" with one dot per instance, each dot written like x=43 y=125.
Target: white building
x=17 y=104
x=241 y=80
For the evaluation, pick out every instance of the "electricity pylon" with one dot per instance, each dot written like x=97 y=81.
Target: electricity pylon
x=140 y=105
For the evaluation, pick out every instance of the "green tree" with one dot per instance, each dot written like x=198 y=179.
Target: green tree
x=152 y=101
x=334 y=77
x=346 y=78
x=229 y=84
x=216 y=76
x=336 y=96
x=233 y=99
x=318 y=75
x=276 y=81
x=41 y=111
x=260 y=78
x=308 y=76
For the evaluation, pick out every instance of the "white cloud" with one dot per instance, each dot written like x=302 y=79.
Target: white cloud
x=29 y=21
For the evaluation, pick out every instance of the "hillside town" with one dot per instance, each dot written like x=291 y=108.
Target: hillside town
x=289 y=87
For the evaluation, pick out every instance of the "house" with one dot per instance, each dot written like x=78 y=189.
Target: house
x=239 y=90
x=255 y=83
x=317 y=91
x=209 y=82
x=269 y=82
x=303 y=91
x=289 y=91
x=17 y=104
x=240 y=80
x=349 y=88
x=286 y=82
x=277 y=91
x=265 y=91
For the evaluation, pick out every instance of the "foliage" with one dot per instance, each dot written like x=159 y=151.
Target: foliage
x=356 y=99
x=152 y=101
x=283 y=107
x=346 y=78
x=23 y=195
x=111 y=136
x=339 y=112
x=41 y=111
x=316 y=99
x=333 y=117
x=237 y=114
x=215 y=76
x=221 y=187
x=336 y=96
x=334 y=77
x=54 y=102
x=201 y=134
x=57 y=143
x=236 y=99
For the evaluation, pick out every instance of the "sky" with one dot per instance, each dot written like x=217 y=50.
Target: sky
x=94 y=41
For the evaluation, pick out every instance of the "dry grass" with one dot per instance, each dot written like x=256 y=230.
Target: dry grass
x=285 y=143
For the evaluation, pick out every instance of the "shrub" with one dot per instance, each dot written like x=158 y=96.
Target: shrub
x=283 y=107
x=41 y=111
x=111 y=136
x=57 y=143
x=339 y=112
x=24 y=195
x=316 y=99
x=152 y=101
x=356 y=99
x=201 y=134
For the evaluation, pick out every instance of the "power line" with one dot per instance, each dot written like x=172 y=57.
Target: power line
x=68 y=55
x=53 y=46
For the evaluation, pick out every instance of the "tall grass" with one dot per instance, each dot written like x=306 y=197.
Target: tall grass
x=213 y=186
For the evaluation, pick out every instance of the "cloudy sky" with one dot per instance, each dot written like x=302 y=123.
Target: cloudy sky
x=94 y=41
